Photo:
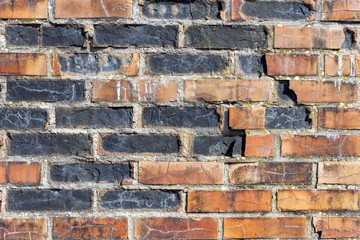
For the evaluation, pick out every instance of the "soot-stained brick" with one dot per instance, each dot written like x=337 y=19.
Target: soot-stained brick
x=49 y=200
x=234 y=37
x=180 y=117
x=22 y=35
x=165 y=144
x=285 y=93
x=90 y=172
x=63 y=36
x=129 y=199
x=49 y=144
x=350 y=39
x=276 y=10
x=287 y=118
x=252 y=64
x=218 y=145
x=49 y=91
x=22 y=118
x=88 y=117
x=139 y=36
x=182 y=64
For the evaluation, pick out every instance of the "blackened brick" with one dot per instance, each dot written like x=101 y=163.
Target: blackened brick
x=165 y=144
x=100 y=117
x=185 y=64
x=218 y=145
x=235 y=37
x=251 y=64
x=49 y=144
x=47 y=200
x=180 y=117
x=22 y=35
x=22 y=118
x=49 y=91
x=63 y=36
x=90 y=172
x=151 y=199
x=140 y=36
x=287 y=118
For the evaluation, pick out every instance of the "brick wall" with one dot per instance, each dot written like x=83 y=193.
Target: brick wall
x=190 y=119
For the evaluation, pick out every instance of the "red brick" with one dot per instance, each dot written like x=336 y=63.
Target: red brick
x=229 y=201
x=339 y=118
x=23 y=172
x=22 y=64
x=90 y=228
x=2 y=172
x=181 y=172
x=341 y=10
x=282 y=64
x=265 y=227
x=259 y=146
x=93 y=8
x=19 y=229
x=309 y=145
x=23 y=9
x=339 y=172
x=176 y=228
x=337 y=227
x=318 y=200
x=247 y=118
x=230 y=90
x=342 y=65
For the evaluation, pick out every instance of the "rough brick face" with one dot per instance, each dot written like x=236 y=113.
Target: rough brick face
x=259 y=146
x=339 y=118
x=280 y=64
x=22 y=64
x=247 y=118
x=337 y=227
x=22 y=118
x=341 y=10
x=339 y=172
x=22 y=172
x=18 y=229
x=342 y=65
x=63 y=36
x=22 y=35
x=23 y=9
x=217 y=145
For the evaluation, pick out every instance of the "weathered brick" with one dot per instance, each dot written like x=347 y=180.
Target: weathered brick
x=93 y=9
x=337 y=227
x=48 y=91
x=314 y=37
x=90 y=228
x=17 y=35
x=310 y=145
x=149 y=199
x=227 y=90
x=318 y=200
x=93 y=117
x=154 y=144
x=341 y=10
x=23 y=9
x=136 y=35
x=247 y=118
x=339 y=172
x=176 y=228
x=3 y=172
x=187 y=64
x=63 y=36
x=225 y=37
x=22 y=64
x=23 y=118
x=217 y=145
x=342 y=65
x=90 y=172
x=259 y=146
x=181 y=172
x=95 y=64
x=19 y=229
x=180 y=117
x=49 y=200
x=291 y=64
x=134 y=90
x=339 y=118
x=251 y=64
x=265 y=227
x=287 y=118
x=49 y=144
x=23 y=172
x=229 y=201
x=271 y=173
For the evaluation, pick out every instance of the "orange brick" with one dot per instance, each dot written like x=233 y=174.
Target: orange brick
x=259 y=146
x=90 y=228
x=247 y=118
x=309 y=37
x=134 y=90
x=281 y=64
x=23 y=9
x=2 y=173
x=176 y=228
x=341 y=10
x=23 y=172
x=230 y=90
x=19 y=229
x=339 y=172
x=316 y=91
x=342 y=65
x=337 y=227
x=229 y=201
x=93 y=8
x=309 y=145
x=339 y=118
x=22 y=64
x=265 y=227
x=317 y=200
x=181 y=173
